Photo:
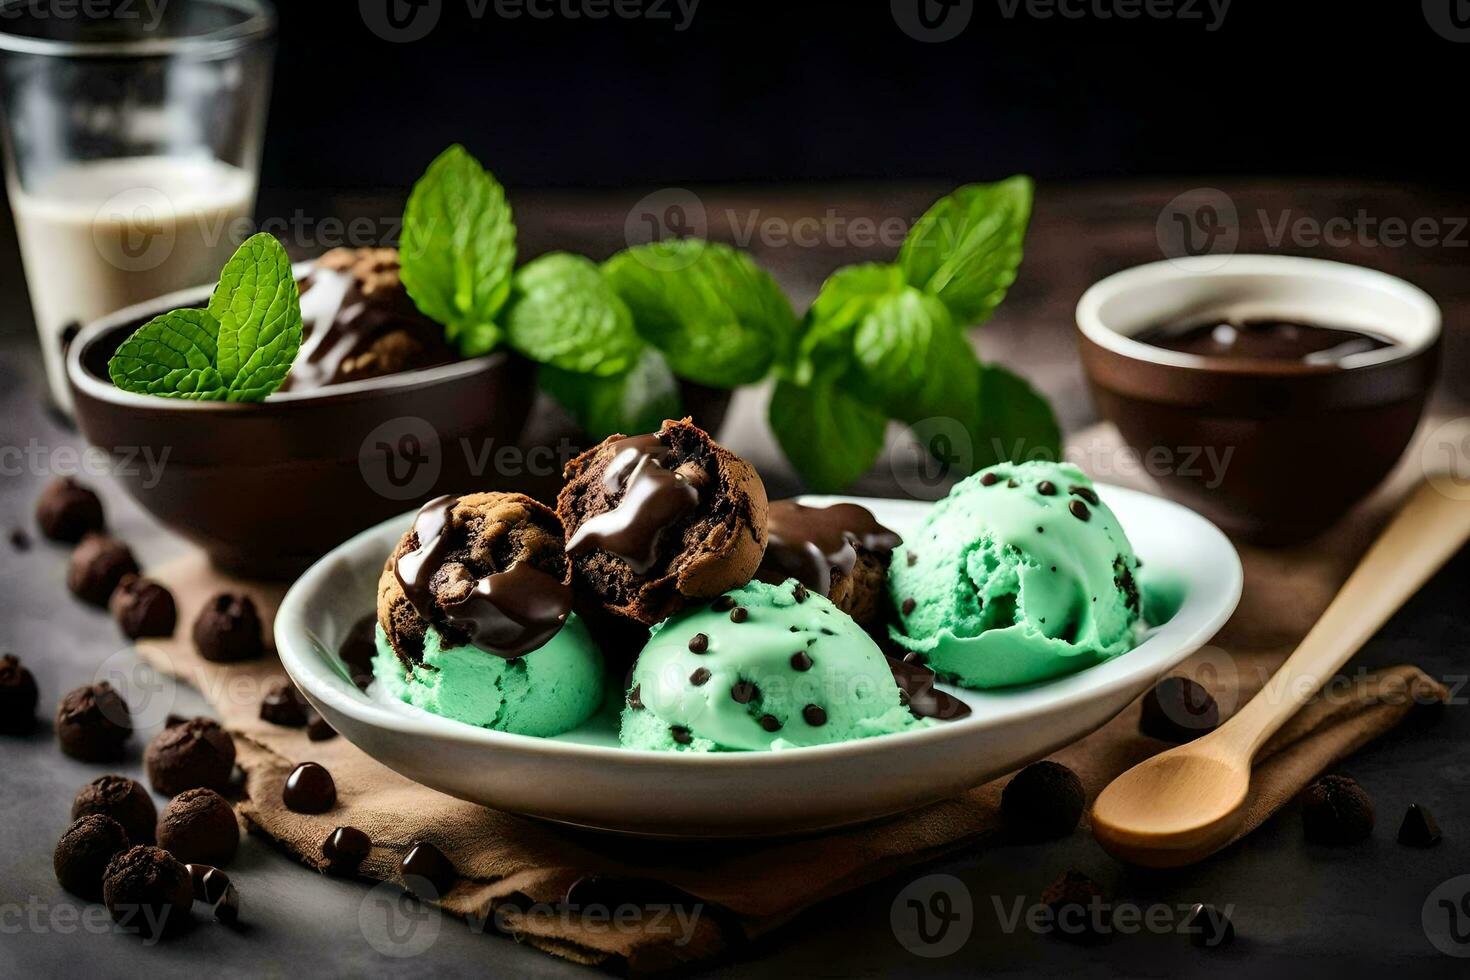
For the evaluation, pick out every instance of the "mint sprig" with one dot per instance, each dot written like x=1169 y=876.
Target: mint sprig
x=240 y=349
x=564 y=313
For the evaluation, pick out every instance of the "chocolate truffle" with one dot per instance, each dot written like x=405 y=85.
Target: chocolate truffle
x=1336 y=811
x=1178 y=709
x=93 y=723
x=66 y=511
x=196 y=753
x=840 y=552
x=283 y=705
x=228 y=629
x=318 y=729
x=84 y=852
x=18 y=697
x=657 y=521
x=457 y=546
x=97 y=565
x=142 y=607
x=1209 y=927
x=1043 y=801
x=198 y=827
x=123 y=800
x=148 y=891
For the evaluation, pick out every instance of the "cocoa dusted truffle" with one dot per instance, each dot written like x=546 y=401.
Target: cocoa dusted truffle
x=66 y=511
x=123 y=800
x=93 y=723
x=841 y=552
x=1336 y=811
x=1043 y=801
x=84 y=852
x=228 y=629
x=97 y=565
x=199 y=827
x=147 y=891
x=195 y=753
x=18 y=697
x=143 y=608
x=283 y=705
x=656 y=521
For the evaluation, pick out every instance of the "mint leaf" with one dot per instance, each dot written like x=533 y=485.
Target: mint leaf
x=847 y=296
x=172 y=355
x=831 y=437
x=1012 y=421
x=966 y=248
x=564 y=313
x=718 y=318
x=478 y=339
x=913 y=360
x=258 y=309
x=458 y=243
x=637 y=400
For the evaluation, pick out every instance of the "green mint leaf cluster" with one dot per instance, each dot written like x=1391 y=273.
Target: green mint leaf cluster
x=893 y=336
x=240 y=349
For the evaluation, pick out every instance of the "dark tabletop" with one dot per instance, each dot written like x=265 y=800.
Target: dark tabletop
x=1298 y=908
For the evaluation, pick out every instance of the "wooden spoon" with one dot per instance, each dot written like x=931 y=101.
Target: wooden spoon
x=1184 y=804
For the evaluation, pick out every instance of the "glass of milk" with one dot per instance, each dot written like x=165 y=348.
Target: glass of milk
x=132 y=134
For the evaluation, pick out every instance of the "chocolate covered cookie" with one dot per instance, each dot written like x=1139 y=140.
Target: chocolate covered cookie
x=841 y=552
x=656 y=521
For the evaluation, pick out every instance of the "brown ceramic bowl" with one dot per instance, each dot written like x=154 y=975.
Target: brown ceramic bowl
x=268 y=488
x=1272 y=451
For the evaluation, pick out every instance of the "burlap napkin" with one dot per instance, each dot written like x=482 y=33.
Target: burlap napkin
x=515 y=872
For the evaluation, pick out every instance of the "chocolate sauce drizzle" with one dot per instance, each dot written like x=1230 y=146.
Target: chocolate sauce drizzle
x=416 y=569
x=654 y=498
x=810 y=543
x=924 y=700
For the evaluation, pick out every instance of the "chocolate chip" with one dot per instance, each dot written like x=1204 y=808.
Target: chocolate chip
x=1046 y=488
x=914 y=657
x=283 y=704
x=1085 y=493
x=635 y=697
x=699 y=677
x=801 y=661
x=1178 y=709
x=1079 y=510
x=739 y=614
x=1208 y=927
x=743 y=692
x=680 y=734
x=1336 y=811
x=318 y=729
x=911 y=559
x=19 y=539
x=309 y=789
x=698 y=643
x=1044 y=801
x=723 y=603
x=909 y=605
x=425 y=865
x=345 y=849
x=798 y=592
x=988 y=479
x=1419 y=828
x=209 y=882
x=1012 y=483
x=770 y=723
x=812 y=714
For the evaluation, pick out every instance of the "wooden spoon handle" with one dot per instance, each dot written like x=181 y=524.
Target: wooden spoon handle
x=1426 y=533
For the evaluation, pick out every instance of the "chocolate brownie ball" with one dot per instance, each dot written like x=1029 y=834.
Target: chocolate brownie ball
x=96 y=567
x=657 y=521
x=143 y=608
x=228 y=629
x=283 y=705
x=93 y=723
x=194 y=753
x=123 y=800
x=147 y=891
x=199 y=827
x=18 y=697
x=66 y=511
x=841 y=552
x=457 y=543
x=84 y=852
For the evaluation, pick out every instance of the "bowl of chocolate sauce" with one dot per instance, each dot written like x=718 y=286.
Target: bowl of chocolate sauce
x=1271 y=393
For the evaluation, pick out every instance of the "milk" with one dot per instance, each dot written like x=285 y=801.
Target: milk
x=101 y=235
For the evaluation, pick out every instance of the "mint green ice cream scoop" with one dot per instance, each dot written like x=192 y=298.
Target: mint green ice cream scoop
x=762 y=667
x=1020 y=574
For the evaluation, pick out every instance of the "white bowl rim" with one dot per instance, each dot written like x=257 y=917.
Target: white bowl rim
x=1091 y=322
x=320 y=681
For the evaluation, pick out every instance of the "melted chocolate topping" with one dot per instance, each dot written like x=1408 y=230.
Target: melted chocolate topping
x=513 y=612
x=416 y=569
x=809 y=543
x=1264 y=340
x=654 y=498
x=923 y=698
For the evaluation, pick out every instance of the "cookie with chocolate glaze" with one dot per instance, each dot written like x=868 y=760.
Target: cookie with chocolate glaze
x=659 y=520
x=485 y=569
x=841 y=552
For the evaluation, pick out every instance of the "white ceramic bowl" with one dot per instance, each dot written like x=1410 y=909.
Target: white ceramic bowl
x=584 y=778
